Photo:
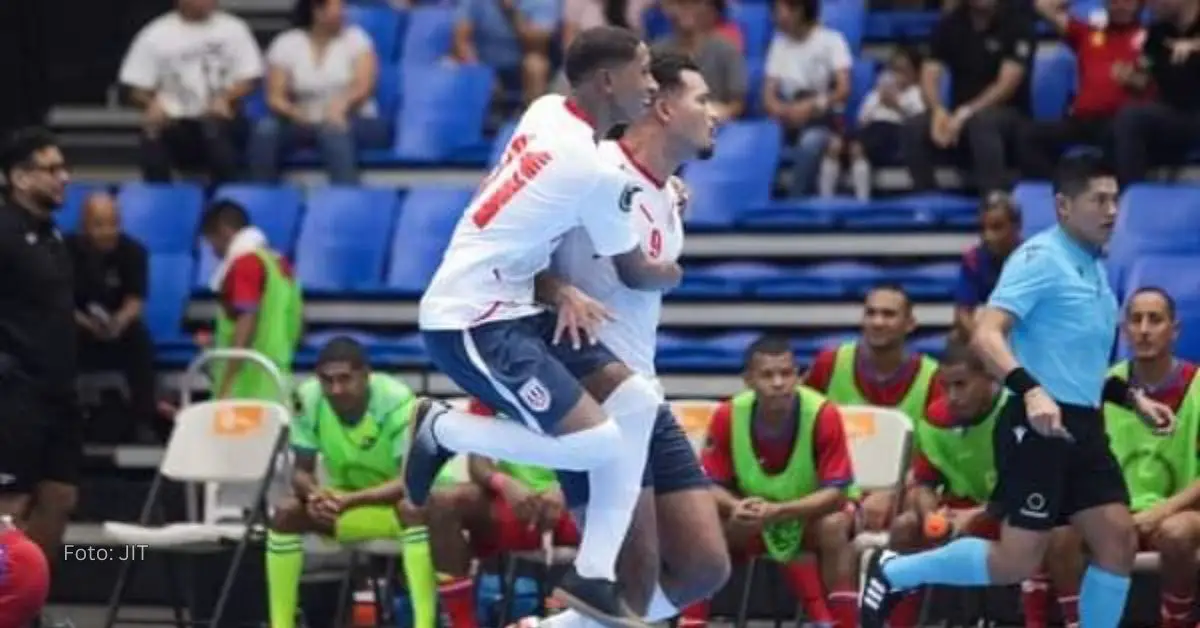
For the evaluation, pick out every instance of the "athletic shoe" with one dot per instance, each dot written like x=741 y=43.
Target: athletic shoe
x=598 y=599
x=425 y=457
x=878 y=596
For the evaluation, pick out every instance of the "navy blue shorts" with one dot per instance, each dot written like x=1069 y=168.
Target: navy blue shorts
x=672 y=464
x=511 y=367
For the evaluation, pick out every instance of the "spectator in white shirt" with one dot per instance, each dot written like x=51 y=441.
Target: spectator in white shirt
x=321 y=77
x=806 y=85
x=895 y=98
x=188 y=70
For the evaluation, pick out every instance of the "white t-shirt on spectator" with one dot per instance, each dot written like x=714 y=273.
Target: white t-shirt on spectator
x=807 y=65
x=909 y=103
x=315 y=83
x=190 y=63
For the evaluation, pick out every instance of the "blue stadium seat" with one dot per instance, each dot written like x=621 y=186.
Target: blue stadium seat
x=1156 y=218
x=500 y=142
x=719 y=197
x=443 y=112
x=724 y=281
x=387 y=91
x=933 y=345
x=429 y=35
x=655 y=23
x=827 y=281
x=169 y=286
x=807 y=347
x=1174 y=274
x=383 y=23
x=754 y=86
x=344 y=238
x=754 y=20
x=847 y=17
x=68 y=216
x=276 y=210
x=1036 y=200
x=791 y=214
x=1054 y=77
x=427 y=219
x=384 y=351
x=164 y=218
x=754 y=143
x=720 y=353
x=927 y=281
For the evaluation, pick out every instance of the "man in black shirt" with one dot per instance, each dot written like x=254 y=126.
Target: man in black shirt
x=1166 y=130
x=110 y=292
x=41 y=429
x=987 y=48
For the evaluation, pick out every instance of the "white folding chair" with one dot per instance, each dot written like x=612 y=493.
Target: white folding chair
x=217 y=445
x=880 y=441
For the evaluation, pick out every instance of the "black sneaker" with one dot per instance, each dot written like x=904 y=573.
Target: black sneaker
x=425 y=457
x=877 y=597
x=598 y=599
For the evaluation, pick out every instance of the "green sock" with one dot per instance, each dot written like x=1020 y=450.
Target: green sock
x=285 y=563
x=421 y=578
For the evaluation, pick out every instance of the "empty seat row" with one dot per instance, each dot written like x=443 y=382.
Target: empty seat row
x=819 y=282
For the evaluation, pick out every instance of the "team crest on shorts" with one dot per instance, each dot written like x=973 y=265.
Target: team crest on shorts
x=535 y=395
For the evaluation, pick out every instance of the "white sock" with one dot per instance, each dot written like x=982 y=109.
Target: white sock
x=660 y=607
x=568 y=619
x=507 y=440
x=827 y=178
x=613 y=489
x=860 y=176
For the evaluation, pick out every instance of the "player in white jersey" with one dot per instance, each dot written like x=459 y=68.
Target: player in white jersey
x=677 y=519
x=484 y=329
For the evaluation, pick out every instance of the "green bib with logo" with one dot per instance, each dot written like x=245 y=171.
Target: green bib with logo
x=1155 y=467
x=275 y=336
x=535 y=478
x=964 y=456
x=798 y=478
x=844 y=391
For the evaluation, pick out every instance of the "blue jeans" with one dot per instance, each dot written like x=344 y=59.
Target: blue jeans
x=807 y=153
x=274 y=136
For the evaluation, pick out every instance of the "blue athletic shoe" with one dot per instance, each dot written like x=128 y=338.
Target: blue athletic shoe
x=425 y=457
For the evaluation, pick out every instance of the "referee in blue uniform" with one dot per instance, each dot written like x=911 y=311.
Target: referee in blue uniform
x=1047 y=331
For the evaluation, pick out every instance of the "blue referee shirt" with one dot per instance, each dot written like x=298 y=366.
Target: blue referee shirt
x=1066 y=315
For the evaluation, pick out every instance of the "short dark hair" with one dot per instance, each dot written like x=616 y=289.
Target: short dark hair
x=1077 y=170
x=667 y=65
x=769 y=344
x=303 y=12
x=890 y=287
x=958 y=352
x=224 y=213
x=21 y=145
x=1166 y=297
x=1002 y=201
x=599 y=48
x=343 y=349
x=811 y=8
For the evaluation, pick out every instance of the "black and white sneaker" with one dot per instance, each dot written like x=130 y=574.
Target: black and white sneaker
x=598 y=599
x=425 y=457
x=877 y=597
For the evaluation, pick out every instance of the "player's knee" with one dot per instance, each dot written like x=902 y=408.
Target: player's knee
x=834 y=532
x=633 y=405
x=289 y=516
x=905 y=531
x=1116 y=549
x=1178 y=537
x=877 y=508
x=1065 y=543
x=704 y=574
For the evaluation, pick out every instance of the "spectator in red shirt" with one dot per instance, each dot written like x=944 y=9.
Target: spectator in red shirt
x=1170 y=527
x=1106 y=56
x=24 y=577
x=879 y=371
x=240 y=283
x=773 y=411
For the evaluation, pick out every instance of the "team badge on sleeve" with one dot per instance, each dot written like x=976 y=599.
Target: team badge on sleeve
x=626 y=201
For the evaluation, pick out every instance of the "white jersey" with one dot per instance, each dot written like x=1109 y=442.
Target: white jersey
x=636 y=313
x=550 y=181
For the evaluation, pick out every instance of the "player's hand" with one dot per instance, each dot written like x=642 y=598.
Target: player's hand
x=1156 y=415
x=221 y=108
x=579 y=317
x=750 y=510
x=1148 y=521
x=322 y=507
x=525 y=504
x=337 y=116
x=1044 y=415
x=553 y=505
x=940 y=129
x=154 y=117
x=964 y=519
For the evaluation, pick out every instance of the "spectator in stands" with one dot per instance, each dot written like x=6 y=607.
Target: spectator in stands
x=580 y=15
x=188 y=70
x=879 y=371
x=513 y=37
x=1160 y=470
x=987 y=53
x=999 y=235
x=259 y=305
x=320 y=79
x=807 y=82
x=750 y=446
x=694 y=31
x=895 y=98
x=1165 y=130
x=110 y=295
x=1106 y=56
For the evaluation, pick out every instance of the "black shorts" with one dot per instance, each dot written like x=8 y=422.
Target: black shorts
x=1041 y=481
x=41 y=438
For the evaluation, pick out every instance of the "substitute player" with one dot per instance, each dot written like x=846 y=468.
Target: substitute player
x=778 y=454
x=484 y=329
x=1162 y=473
x=1053 y=462
x=356 y=422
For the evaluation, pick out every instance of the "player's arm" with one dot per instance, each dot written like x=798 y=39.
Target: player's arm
x=638 y=271
x=606 y=219
x=385 y=494
x=717 y=460
x=304 y=474
x=302 y=435
x=1027 y=278
x=922 y=495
